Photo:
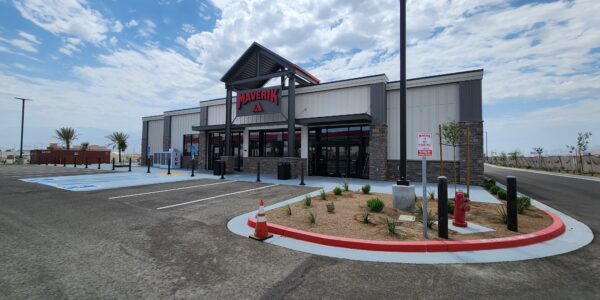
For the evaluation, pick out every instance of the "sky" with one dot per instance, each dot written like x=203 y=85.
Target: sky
x=99 y=66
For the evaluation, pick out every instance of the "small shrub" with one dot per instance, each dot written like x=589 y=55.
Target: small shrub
x=288 y=210
x=451 y=207
x=431 y=218
x=323 y=195
x=330 y=207
x=307 y=200
x=502 y=214
x=312 y=218
x=494 y=190
x=526 y=200
x=501 y=194
x=523 y=203
x=345 y=184
x=337 y=191
x=431 y=194
x=375 y=205
x=390 y=224
x=366 y=188
x=365 y=217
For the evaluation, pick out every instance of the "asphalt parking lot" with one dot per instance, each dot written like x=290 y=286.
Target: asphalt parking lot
x=171 y=241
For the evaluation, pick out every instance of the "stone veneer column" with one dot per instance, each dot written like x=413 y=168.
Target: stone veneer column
x=378 y=152
x=202 y=153
x=476 y=132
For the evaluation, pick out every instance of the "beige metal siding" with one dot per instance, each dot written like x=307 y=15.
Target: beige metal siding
x=216 y=114
x=155 y=136
x=347 y=101
x=180 y=125
x=427 y=107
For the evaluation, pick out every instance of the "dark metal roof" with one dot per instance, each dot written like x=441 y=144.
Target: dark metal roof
x=354 y=118
x=259 y=62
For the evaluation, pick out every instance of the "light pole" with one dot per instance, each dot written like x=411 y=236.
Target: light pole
x=22 y=124
x=402 y=180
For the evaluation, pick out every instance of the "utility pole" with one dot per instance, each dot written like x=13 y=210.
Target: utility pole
x=22 y=123
x=486 y=147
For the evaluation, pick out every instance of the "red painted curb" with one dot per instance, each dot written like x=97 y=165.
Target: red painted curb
x=554 y=230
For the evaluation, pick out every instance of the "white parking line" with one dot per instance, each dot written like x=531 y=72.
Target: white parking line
x=170 y=190
x=213 y=197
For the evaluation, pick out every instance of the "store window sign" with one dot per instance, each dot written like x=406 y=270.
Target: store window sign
x=261 y=101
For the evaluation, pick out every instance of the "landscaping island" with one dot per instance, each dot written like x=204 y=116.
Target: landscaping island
x=347 y=214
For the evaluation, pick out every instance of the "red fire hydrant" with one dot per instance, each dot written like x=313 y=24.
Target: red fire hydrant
x=461 y=207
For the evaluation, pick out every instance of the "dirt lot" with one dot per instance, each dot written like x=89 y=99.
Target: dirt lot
x=347 y=221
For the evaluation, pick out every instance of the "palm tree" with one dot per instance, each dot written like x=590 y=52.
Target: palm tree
x=66 y=135
x=84 y=146
x=119 y=141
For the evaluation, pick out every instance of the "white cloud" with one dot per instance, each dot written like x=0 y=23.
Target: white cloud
x=29 y=37
x=188 y=28
x=132 y=23
x=148 y=29
x=72 y=17
x=71 y=46
x=25 y=45
x=113 y=41
x=117 y=26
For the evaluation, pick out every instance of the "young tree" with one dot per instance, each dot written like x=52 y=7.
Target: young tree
x=583 y=140
x=66 y=135
x=539 y=151
x=119 y=141
x=515 y=156
x=452 y=134
x=572 y=150
x=84 y=146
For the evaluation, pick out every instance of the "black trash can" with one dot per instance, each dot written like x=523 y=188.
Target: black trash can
x=216 y=167
x=284 y=171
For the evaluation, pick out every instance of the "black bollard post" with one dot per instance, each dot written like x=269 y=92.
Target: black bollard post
x=113 y=163
x=511 y=203
x=442 y=207
x=169 y=167
x=54 y=159
x=222 y=164
x=46 y=161
x=129 y=165
x=193 y=167
x=302 y=173
x=86 y=162
x=258 y=171
x=99 y=161
x=74 y=161
x=148 y=164
x=65 y=162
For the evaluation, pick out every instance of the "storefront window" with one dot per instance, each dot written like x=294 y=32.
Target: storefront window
x=272 y=143
x=188 y=140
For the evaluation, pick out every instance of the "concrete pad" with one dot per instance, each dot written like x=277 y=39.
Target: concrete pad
x=403 y=197
x=471 y=228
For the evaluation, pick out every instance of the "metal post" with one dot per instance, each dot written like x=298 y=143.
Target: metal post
x=193 y=167
x=302 y=173
x=468 y=162
x=65 y=162
x=222 y=166
x=424 y=195
x=442 y=191
x=46 y=160
x=74 y=161
x=402 y=180
x=86 y=162
x=511 y=203
x=441 y=151
x=54 y=159
x=22 y=123
x=258 y=171
x=99 y=161
x=148 y=164
x=113 y=163
x=129 y=165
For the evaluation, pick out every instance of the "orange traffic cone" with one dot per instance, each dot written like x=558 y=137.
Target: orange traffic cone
x=261 y=232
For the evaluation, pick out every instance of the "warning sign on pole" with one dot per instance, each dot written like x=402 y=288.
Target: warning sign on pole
x=424 y=145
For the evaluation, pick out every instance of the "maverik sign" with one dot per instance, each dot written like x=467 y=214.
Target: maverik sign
x=258 y=102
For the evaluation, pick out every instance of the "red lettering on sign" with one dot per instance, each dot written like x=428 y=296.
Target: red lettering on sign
x=257 y=108
x=271 y=95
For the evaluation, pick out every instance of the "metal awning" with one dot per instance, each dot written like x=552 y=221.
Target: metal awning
x=354 y=118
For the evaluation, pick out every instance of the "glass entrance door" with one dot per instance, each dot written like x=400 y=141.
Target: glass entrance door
x=339 y=151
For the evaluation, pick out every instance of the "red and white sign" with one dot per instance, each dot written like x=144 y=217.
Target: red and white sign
x=424 y=145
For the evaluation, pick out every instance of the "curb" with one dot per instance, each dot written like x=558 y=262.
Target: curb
x=554 y=230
